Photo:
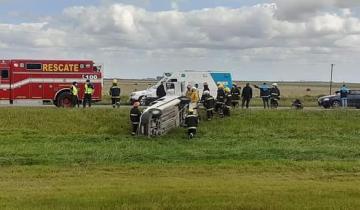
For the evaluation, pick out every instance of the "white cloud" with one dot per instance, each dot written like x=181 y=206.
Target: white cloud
x=350 y=41
x=209 y=38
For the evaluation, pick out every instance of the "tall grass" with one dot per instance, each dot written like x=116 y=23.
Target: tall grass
x=265 y=159
x=97 y=136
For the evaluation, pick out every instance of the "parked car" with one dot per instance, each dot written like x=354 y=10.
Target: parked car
x=335 y=100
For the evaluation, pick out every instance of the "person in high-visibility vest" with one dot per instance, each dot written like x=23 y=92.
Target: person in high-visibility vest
x=74 y=94
x=115 y=94
x=88 y=92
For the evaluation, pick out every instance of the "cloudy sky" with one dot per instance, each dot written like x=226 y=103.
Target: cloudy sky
x=255 y=40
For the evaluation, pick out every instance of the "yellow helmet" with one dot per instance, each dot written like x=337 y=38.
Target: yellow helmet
x=191 y=110
x=221 y=86
x=115 y=81
x=227 y=90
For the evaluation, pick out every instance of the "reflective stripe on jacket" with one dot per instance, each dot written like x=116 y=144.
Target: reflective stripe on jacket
x=135 y=115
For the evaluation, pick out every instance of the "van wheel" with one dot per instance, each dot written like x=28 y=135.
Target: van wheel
x=64 y=100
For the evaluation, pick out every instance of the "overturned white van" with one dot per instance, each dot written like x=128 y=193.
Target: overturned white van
x=176 y=83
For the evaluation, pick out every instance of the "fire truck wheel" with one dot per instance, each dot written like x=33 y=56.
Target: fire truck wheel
x=64 y=100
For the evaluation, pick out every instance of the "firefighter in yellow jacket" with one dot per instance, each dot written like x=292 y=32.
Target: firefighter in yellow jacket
x=88 y=92
x=188 y=92
x=194 y=100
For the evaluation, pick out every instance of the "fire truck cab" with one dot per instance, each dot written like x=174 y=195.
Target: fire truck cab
x=35 y=82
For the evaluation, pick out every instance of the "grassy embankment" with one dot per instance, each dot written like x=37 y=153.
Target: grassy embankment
x=85 y=159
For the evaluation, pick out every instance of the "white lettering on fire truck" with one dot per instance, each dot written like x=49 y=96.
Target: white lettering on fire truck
x=91 y=77
x=60 y=67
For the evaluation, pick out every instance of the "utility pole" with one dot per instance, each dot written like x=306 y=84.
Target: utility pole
x=331 y=77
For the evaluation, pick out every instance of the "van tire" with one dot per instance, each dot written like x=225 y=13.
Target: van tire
x=64 y=100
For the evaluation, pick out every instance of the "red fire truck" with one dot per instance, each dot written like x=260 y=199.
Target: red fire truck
x=46 y=81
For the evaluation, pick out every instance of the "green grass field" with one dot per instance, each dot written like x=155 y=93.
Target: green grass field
x=85 y=159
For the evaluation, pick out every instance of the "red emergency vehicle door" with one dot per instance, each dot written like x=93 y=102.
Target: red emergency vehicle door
x=36 y=87
x=5 y=87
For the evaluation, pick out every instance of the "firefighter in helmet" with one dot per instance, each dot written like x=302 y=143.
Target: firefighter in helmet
x=191 y=123
x=115 y=92
x=188 y=91
x=88 y=92
x=220 y=100
x=228 y=102
x=74 y=94
x=135 y=115
x=209 y=104
x=194 y=100
x=235 y=93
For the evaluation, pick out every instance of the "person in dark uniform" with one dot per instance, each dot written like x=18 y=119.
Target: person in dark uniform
x=274 y=96
x=228 y=102
x=115 y=92
x=220 y=100
x=235 y=93
x=74 y=94
x=191 y=123
x=88 y=92
x=297 y=104
x=135 y=115
x=206 y=87
x=247 y=94
x=160 y=91
x=209 y=104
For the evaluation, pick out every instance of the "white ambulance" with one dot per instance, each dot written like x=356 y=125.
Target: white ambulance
x=176 y=84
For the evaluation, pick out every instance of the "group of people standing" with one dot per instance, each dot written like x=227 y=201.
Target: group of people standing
x=225 y=99
x=88 y=92
x=269 y=94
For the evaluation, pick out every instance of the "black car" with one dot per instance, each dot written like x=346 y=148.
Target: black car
x=335 y=100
